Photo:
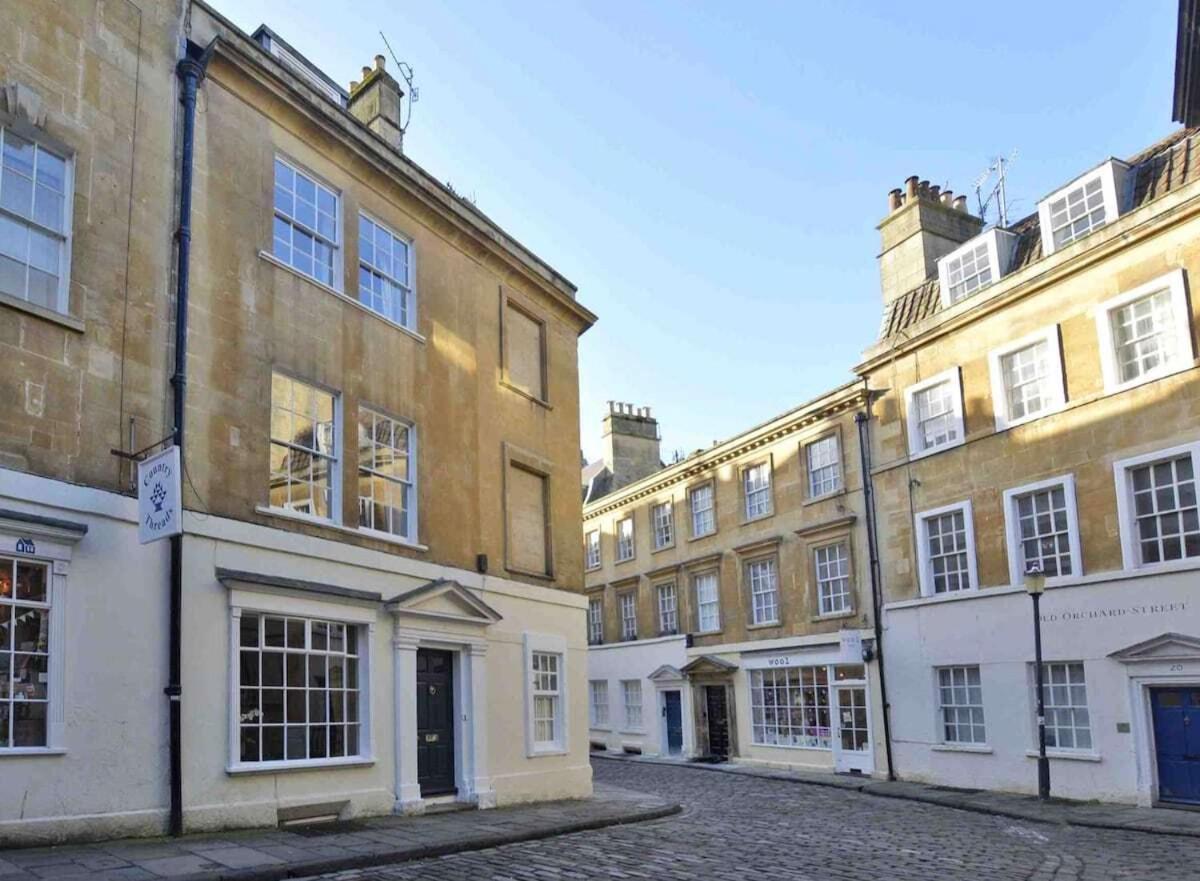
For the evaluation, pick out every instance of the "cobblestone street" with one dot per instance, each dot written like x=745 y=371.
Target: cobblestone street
x=748 y=828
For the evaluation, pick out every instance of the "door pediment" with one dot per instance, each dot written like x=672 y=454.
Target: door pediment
x=1164 y=647
x=666 y=673
x=708 y=664
x=443 y=600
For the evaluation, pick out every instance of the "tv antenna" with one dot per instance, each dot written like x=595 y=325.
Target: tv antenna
x=998 y=192
x=406 y=74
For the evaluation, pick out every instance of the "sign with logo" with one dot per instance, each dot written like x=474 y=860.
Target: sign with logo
x=160 y=503
x=26 y=546
x=851 y=641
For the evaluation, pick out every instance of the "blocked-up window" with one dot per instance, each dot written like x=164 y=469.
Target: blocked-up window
x=524 y=351
x=528 y=533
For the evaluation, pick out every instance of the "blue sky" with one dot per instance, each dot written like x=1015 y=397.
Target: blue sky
x=710 y=173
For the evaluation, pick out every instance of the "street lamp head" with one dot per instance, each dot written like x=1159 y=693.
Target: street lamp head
x=1035 y=580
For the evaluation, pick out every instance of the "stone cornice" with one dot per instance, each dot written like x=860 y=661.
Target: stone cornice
x=237 y=50
x=834 y=403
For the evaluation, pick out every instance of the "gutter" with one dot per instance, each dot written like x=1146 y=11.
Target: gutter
x=863 y=421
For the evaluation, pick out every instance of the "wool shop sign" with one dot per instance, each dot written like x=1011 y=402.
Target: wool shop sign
x=160 y=505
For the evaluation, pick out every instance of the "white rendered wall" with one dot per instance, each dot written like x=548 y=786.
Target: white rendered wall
x=636 y=660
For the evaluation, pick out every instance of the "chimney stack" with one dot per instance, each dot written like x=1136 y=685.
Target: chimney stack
x=922 y=224
x=631 y=443
x=375 y=101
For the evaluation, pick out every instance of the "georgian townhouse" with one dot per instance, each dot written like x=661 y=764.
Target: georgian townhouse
x=1036 y=401
x=380 y=511
x=730 y=610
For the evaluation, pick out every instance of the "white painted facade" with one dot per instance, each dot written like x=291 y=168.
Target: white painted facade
x=655 y=664
x=104 y=773
x=850 y=682
x=1130 y=630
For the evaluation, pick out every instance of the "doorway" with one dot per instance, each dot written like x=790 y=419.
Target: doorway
x=716 y=703
x=673 y=722
x=435 y=722
x=1176 y=716
x=852 y=737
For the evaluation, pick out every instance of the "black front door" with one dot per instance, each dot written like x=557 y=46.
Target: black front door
x=673 y=713
x=435 y=722
x=718 y=721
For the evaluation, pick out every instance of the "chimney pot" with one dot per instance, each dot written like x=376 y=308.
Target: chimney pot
x=380 y=61
x=353 y=85
x=935 y=192
x=960 y=204
x=895 y=199
x=923 y=188
x=366 y=72
x=947 y=198
x=910 y=187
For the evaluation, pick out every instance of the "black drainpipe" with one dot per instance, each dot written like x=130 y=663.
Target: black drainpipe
x=864 y=440
x=190 y=71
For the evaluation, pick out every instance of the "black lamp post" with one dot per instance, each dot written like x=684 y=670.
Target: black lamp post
x=1035 y=584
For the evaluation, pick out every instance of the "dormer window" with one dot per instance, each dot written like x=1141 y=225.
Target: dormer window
x=1085 y=204
x=975 y=265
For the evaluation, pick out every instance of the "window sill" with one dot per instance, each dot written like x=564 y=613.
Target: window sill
x=542 y=752
x=933 y=451
x=516 y=389
x=763 y=625
x=666 y=547
x=980 y=748
x=716 y=632
x=604 y=727
x=32 y=751
x=1080 y=756
x=284 y=514
x=757 y=518
x=820 y=749
x=1004 y=424
x=834 y=616
x=636 y=732
x=1153 y=376
x=833 y=494
x=593 y=568
x=702 y=536
x=68 y=321
x=625 y=560
x=275 y=261
x=239 y=768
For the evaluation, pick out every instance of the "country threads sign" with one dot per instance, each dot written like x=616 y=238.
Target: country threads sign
x=160 y=508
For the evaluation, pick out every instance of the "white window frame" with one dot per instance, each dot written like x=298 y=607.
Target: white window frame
x=664 y=530
x=623 y=557
x=1113 y=176
x=632 y=714
x=627 y=603
x=595 y=614
x=591 y=550
x=1012 y=529
x=407 y=286
x=335 y=459
x=336 y=280
x=412 y=525
x=1130 y=551
x=1056 y=394
x=63 y=295
x=715 y=603
x=1072 y=707
x=952 y=376
x=924 y=559
x=52 y=547
x=1000 y=246
x=553 y=644
x=1175 y=284
x=941 y=707
x=711 y=510
x=663 y=590
x=598 y=710
x=848 y=609
x=281 y=605
x=809 y=471
x=767 y=488
x=770 y=595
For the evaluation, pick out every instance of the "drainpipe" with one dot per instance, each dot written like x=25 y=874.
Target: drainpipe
x=864 y=441
x=190 y=71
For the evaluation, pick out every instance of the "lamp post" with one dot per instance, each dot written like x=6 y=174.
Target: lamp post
x=1035 y=584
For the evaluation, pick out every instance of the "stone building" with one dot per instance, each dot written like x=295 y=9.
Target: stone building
x=730 y=611
x=381 y=514
x=1036 y=404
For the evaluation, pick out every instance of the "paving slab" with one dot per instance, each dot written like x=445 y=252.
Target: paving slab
x=270 y=854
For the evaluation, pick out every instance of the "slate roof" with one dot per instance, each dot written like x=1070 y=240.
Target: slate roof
x=1165 y=166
